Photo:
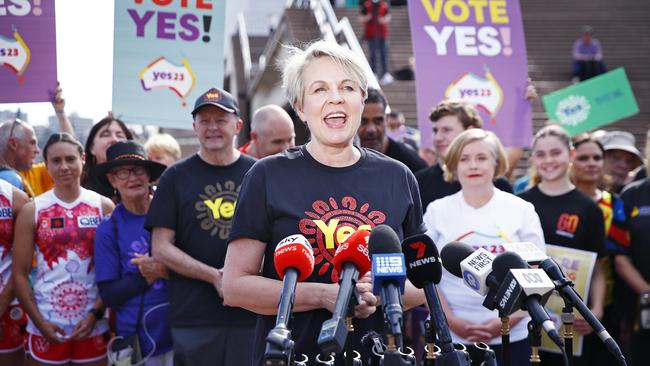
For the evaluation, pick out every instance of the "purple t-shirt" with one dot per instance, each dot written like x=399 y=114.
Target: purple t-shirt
x=117 y=239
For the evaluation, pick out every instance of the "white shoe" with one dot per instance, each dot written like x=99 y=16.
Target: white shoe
x=575 y=80
x=386 y=79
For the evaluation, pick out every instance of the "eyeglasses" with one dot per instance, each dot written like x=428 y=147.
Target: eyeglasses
x=124 y=173
x=13 y=127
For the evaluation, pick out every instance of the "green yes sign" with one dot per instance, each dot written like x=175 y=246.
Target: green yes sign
x=590 y=104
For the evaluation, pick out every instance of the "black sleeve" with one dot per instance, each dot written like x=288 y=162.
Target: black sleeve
x=417 y=163
x=163 y=211
x=117 y=292
x=425 y=182
x=252 y=217
x=596 y=231
x=503 y=184
x=414 y=224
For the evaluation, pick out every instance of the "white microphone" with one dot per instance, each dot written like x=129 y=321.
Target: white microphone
x=528 y=251
x=476 y=269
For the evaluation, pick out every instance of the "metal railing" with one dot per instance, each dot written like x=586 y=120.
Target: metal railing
x=245 y=47
x=336 y=30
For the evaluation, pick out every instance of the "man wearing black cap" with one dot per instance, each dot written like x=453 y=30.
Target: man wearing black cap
x=190 y=219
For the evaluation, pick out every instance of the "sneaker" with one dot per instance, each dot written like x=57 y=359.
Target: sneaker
x=575 y=80
x=386 y=79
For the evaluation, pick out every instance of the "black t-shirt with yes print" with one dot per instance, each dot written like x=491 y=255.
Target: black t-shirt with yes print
x=570 y=220
x=292 y=193
x=197 y=200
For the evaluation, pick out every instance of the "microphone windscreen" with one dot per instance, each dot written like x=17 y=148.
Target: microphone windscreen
x=454 y=253
x=506 y=261
x=294 y=251
x=422 y=260
x=354 y=250
x=383 y=240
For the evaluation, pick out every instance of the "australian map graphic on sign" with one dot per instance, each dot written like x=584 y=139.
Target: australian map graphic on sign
x=482 y=91
x=162 y=74
x=14 y=54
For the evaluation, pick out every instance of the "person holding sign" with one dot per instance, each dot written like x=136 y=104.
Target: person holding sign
x=569 y=219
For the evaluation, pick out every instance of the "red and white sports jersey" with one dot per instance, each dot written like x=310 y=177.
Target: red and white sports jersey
x=6 y=232
x=64 y=285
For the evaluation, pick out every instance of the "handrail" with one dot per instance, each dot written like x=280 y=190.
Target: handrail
x=334 y=29
x=244 y=46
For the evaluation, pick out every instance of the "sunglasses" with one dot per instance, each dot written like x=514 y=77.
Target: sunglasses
x=13 y=127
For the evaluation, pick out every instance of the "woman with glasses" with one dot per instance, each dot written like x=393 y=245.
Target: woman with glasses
x=66 y=323
x=129 y=279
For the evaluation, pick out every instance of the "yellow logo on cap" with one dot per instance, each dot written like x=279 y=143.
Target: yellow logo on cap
x=212 y=95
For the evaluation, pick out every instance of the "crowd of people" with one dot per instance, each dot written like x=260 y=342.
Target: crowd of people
x=181 y=251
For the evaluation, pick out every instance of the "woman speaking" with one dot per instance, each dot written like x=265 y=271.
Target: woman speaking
x=323 y=190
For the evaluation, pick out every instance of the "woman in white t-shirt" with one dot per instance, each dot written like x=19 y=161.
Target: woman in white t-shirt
x=482 y=216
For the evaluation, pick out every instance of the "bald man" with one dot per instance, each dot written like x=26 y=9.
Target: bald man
x=271 y=132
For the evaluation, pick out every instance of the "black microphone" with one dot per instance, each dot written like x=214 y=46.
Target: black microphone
x=564 y=286
x=524 y=288
x=424 y=270
x=388 y=276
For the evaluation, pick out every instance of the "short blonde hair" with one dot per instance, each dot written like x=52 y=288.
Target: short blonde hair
x=465 y=138
x=298 y=60
x=163 y=143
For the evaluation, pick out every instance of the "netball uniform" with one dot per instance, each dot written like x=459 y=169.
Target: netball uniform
x=64 y=286
x=13 y=320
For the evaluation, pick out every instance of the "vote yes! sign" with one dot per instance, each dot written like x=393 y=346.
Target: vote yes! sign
x=166 y=54
x=27 y=51
x=473 y=50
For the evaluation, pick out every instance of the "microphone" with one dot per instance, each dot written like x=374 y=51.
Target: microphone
x=564 y=287
x=351 y=261
x=424 y=270
x=388 y=276
x=474 y=267
x=524 y=288
x=294 y=261
x=528 y=251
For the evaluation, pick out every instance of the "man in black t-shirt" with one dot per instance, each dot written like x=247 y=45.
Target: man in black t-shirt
x=190 y=219
x=372 y=133
x=449 y=119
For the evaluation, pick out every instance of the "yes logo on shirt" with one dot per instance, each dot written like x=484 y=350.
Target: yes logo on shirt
x=330 y=223
x=216 y=207
x=567 y=224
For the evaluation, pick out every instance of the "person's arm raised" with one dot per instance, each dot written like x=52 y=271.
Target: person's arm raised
x=58 y=102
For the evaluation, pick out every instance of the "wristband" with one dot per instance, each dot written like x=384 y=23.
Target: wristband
x=98 y=313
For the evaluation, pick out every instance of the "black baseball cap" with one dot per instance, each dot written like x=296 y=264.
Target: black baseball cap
x=218 y=98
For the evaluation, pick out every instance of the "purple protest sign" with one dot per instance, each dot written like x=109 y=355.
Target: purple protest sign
x=475 y=51
x=27 y=51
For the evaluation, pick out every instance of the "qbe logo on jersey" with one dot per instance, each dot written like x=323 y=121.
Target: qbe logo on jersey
x=88 y=221
x=389 y=264
x=6 y=213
